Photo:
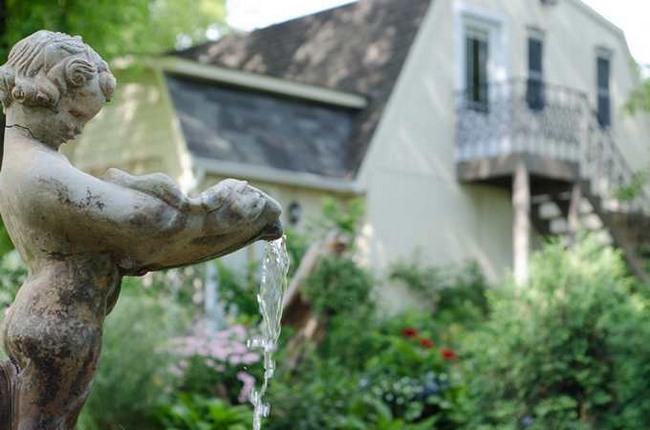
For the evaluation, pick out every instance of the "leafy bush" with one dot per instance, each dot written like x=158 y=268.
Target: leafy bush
x=392 y=378
x=6 y=245
x=194 y=412
x=344 y=217
x=367 y=373
x=415 y=377
x=570 y=351
x=457 y=293
x=316 y=397
x=211 y=364
x=338 y=286
x=12 y=274
x=297 y=246
x=240 y=293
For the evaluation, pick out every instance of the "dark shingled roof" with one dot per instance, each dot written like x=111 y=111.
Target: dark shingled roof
x=357 y=48
x=249 y=127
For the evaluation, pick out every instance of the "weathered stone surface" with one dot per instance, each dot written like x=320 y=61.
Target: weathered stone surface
x=79 y=234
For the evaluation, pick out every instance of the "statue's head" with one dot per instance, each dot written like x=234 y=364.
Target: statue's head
x=57 y=75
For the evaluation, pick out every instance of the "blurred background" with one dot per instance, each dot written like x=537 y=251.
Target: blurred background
x=465 y=194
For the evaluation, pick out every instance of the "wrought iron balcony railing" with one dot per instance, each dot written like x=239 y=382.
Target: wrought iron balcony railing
x=532 y=117
x=520 y=116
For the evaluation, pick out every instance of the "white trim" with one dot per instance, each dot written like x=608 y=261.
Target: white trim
x=496 y=24
x=277 y=176
x=260 y=82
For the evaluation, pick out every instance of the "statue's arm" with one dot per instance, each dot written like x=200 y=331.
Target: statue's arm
x=145 y=230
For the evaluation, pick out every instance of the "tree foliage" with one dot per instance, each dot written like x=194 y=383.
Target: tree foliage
x=115 y=27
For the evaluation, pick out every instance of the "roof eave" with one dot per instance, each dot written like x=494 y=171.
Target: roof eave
x=259 y=82
x=279 y=177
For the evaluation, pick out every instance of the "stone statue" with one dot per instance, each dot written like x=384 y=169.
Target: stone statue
x=78 y=234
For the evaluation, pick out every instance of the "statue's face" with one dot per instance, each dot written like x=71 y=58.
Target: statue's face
x=76 y=108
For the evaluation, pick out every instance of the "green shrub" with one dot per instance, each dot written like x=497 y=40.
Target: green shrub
x=344 y=217
x=240 y=293
x=212 y=364
x=6 y=245
x=297 y=246
x=194 y=412
x=455 y=293
x=316 y=397
x=394 y=377
x=338 y=286
x=416 y=378
x=12 y=274
x=570 y=351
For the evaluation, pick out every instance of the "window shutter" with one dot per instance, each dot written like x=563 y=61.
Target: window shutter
x=604 y=99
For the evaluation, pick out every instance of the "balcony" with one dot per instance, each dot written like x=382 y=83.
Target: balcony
x=546 y=144
x=553 y=130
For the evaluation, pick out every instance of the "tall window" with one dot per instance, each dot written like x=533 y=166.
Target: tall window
x=604 y=99
x=476 y=57
x=535 y=83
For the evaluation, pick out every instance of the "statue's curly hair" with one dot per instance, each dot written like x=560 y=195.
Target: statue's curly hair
x=45 y=65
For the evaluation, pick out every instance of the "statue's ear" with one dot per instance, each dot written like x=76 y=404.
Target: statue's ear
x=47 y=93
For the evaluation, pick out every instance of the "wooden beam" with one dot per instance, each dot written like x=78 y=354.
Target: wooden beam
x=521 y=224
x=573 y=216
x=482 y=169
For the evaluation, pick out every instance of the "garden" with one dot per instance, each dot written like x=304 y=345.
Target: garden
x=569 y=351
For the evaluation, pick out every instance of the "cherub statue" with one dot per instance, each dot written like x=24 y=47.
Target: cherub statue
x=78 y=235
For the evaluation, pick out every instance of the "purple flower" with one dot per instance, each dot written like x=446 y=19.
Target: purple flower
x=248 y=382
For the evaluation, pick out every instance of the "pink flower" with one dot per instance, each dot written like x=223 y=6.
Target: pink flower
x=250 y=358
x=248 y=382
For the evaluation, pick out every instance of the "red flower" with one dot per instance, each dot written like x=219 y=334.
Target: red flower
x=427 y=343
x=409 y=332
x=448 y=354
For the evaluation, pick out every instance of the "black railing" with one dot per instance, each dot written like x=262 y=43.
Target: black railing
x=520 y=116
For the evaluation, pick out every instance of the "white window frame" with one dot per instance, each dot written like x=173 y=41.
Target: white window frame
x=470 y=18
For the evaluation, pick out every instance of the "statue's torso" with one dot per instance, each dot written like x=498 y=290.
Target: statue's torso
x=66 y=279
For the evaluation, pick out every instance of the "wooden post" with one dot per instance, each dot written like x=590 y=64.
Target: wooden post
x=574 y=213
x=521 y=224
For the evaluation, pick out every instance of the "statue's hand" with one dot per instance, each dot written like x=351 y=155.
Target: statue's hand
x=232 y=204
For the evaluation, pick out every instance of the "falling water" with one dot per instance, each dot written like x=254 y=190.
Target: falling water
x=272 y=288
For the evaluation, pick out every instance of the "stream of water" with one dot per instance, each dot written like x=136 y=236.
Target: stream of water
x=272 y=289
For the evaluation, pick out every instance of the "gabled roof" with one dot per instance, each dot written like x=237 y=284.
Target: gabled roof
x=356 y=48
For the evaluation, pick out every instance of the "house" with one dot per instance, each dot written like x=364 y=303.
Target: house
x=470 y=128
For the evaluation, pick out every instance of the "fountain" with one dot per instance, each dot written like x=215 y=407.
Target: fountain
x=275 y=266
x=79 y=235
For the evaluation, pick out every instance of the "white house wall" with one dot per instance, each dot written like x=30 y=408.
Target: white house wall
x=414 y=199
